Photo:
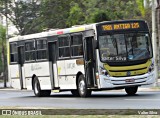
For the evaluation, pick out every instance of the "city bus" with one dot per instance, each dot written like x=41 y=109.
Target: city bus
x=93 y=57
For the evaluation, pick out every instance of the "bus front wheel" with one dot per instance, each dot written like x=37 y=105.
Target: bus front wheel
x=75 y=93
x=82 y=87
x=131 y=90
x=37 y=89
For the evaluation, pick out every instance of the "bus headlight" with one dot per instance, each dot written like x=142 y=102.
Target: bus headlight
x=151 y=68
x=104 y=72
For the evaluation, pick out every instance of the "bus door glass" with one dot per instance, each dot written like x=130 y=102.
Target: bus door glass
x=21 y=66
x=89 y=61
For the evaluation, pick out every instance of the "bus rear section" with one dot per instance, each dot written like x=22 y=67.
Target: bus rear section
x=125 y=55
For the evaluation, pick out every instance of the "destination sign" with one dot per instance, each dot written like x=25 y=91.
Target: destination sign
x=120 y=26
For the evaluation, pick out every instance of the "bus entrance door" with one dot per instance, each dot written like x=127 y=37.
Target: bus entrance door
x=21 y=66
x=89 y=61
x=52 y=46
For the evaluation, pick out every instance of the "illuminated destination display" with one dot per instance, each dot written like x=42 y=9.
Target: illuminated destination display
x=120 y=26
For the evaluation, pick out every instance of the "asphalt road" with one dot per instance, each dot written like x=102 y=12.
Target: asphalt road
x=98 y=100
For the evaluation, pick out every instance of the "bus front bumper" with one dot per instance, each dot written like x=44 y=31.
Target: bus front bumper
x=114 y=82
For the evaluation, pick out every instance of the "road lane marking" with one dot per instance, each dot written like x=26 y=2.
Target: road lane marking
x=143 y=99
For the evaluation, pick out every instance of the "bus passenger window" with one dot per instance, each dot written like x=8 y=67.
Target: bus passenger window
x=13 y=52
x=42 y=49
x=30 y=50
x=64 y=46
x=76 y=45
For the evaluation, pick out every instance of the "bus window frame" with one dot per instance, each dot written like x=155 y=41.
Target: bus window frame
x=15 y=62
x=68 y=57
x=26 y=41
x=79 y=56
x=46 y=49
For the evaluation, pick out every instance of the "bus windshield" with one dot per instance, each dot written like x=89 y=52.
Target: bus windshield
x=125 y=47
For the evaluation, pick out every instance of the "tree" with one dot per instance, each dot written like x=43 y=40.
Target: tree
x=55 y=13
x=89 y=11
x=35 y=16
x=3 y=52
x=24 y=15
x=76 y=15
x=100 y=16
x=145 y=11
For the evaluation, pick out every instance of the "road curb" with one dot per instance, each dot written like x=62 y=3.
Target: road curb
x=148 y=89
x=3 y=89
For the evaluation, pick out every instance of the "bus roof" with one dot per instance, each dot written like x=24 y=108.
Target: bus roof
x=73 y=29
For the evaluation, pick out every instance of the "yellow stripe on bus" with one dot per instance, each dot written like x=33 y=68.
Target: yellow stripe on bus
x=77 y=29
x=8 y=53
x=134 y=70
x=137 y=72
x=147 y=64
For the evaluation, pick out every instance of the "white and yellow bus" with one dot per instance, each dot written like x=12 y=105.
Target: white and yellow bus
x=100 y=56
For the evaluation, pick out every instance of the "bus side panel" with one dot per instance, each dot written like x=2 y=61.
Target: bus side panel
x=67 y=82
x=28 y=83
x=72 y=67
x=61 y=68
x=14 y=74
x=45 y=83
x=41 y=70
x=67 y=71
x=63 y=83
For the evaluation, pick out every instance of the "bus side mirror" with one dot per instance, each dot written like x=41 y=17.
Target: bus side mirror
x=96 y=46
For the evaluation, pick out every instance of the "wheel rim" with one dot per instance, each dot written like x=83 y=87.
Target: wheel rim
x=82 y=87
x=36 y=87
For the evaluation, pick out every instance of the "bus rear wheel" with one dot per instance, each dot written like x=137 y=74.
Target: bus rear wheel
x=37 y=89
x=131 y=90
x=82 y=87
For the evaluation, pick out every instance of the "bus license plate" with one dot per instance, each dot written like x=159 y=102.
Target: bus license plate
x=130 y=80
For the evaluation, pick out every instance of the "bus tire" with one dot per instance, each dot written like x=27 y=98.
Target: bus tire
x=131 y=90
x=75 y=93
x=82 y=87
x=46 y=93
x=37 y=89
